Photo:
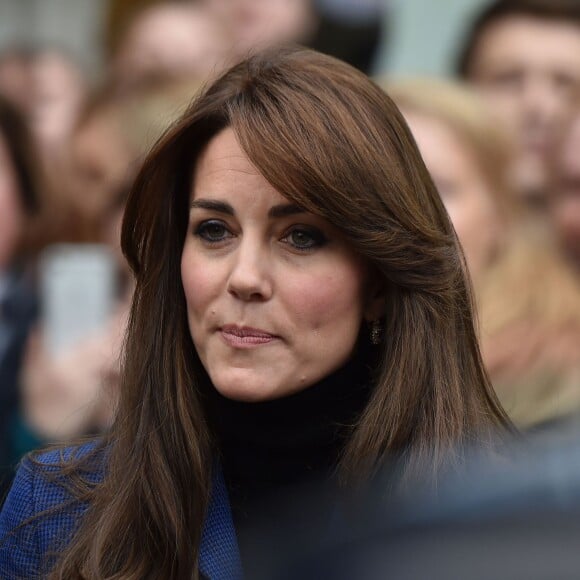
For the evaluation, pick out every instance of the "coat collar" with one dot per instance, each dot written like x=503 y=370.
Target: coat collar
x=219 y=554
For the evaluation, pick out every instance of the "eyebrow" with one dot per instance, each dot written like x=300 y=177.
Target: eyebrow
x=277 y=211
x=285 y=209
x=212 y=205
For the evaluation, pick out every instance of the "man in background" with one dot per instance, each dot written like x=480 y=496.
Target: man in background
x=523 y=56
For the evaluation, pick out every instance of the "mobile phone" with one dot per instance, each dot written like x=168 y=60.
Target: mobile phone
x=77 y=292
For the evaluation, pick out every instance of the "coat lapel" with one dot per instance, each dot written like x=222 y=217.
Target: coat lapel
x=219 y=555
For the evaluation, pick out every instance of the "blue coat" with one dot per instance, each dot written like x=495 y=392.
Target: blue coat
x=26 y=553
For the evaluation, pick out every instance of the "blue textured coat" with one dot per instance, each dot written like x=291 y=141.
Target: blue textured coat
x=29 y=551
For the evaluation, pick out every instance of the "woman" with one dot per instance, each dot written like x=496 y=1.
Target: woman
x=467 y=155
x=300 y=296
x=528 y=298
x=563 y=201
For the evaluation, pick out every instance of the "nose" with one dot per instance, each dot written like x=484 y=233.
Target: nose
x=250 y=278
x=541 y=100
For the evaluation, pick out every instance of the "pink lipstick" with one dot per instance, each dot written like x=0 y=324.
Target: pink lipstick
x=245 y=336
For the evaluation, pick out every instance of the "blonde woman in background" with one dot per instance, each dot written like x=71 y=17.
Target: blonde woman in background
x=564 y=198
x=528 y=298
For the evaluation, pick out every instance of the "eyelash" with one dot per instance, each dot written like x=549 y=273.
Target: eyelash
x=202 y=229
x=317 y=238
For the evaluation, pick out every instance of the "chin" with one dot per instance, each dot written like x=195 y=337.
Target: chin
x=245 y=386
x=249 y=394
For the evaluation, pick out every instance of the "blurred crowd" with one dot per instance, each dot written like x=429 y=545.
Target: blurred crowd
x=501 y=142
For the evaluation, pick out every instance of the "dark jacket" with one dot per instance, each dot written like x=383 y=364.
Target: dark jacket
x=18 y=312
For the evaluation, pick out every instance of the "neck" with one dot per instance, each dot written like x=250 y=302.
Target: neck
x=270 y=445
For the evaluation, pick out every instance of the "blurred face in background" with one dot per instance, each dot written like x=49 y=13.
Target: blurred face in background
x=15 y=79
x=565 y=197
x=102 y=161
x=12 y=214
x=256 y=24
x=463 y=188
x=49 y=90
x=171 y=40
x=528 y=70
x=57 y=97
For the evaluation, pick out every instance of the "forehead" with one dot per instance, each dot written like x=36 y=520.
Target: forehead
x=224 y=170
x=437 y=141
x=529 y=41
x=223 y=152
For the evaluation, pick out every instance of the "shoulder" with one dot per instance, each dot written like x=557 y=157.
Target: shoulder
x=55 y=458
x=41 y=511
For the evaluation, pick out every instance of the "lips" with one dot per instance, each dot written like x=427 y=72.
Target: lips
x=244 y=336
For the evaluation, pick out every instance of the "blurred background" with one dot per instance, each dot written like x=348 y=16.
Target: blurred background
x=422 y=36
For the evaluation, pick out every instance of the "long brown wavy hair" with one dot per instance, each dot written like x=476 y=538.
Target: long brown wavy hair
x=331 y=141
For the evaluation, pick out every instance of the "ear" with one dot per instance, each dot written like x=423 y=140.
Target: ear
x=375 y=307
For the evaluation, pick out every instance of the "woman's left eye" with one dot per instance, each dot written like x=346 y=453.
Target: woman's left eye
x=303 y=238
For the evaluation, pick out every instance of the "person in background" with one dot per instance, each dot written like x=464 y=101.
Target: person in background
x=349 y=30
x=254 y=25
x=61 y=393
x=352 y=30
x=49 y=89
x=523 y=57
x=528 y=298
x=169 y=41
x=301 y=310
x=564 y=197
x=100 y=158
x=75 y=392
x=58 y=93
x=15 y=76
x=20 y=203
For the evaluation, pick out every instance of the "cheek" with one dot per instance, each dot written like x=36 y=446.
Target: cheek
x=567 y=218
x=476 y=222
x=327 y=300
x=475 y=215
x=200 y=283
x=504 y=105
x=463 y=212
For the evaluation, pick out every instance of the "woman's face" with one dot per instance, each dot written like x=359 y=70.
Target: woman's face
x=11 y=211
x=463 y=188
x=275 y=296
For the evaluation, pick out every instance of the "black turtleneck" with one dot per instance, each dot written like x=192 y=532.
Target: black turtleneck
x=268 y=447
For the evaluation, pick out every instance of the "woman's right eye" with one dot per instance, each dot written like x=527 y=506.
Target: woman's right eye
x=212 y=231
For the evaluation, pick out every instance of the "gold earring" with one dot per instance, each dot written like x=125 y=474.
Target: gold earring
x=376 y=331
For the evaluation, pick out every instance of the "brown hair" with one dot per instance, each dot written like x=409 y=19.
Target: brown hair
x=566 y=11
x=329 y=139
